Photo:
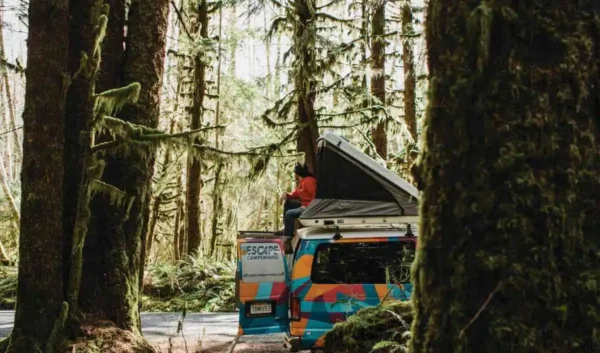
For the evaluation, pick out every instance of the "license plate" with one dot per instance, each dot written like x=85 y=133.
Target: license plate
x=260 y=309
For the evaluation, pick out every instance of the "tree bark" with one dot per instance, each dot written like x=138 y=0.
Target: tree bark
x=114 y=286
x=408 y=63
x=510 y=174
x=16 y=140
x=379 y=133
x=194 y=176
x=111 y=74
x=233 y=42
x=305 y=82
x=14 y=211
x=78 y=111
x=157 y=200
x=41 y=241
x=176 y=252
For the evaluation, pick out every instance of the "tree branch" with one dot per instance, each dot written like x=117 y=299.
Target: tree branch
x=181 y=20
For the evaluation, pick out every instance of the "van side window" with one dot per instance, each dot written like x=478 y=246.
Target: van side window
x=366 y=262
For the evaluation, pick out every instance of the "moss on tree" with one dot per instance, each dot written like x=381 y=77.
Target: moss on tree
x=385 y=328
x=510 y=173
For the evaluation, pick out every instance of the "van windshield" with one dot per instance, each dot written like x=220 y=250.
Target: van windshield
x=365 y=262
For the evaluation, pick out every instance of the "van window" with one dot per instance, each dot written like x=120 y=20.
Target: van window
x=365 y=262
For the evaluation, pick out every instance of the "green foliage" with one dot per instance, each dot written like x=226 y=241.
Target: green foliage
x=195 y=284
x=385 y=329
x=8 y=287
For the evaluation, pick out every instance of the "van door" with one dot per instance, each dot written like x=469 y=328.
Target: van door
x=262 y=285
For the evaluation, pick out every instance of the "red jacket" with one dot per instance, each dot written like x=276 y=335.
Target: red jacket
x=305 y=191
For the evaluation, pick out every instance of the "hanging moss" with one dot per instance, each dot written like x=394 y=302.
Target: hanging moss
x=112 y=101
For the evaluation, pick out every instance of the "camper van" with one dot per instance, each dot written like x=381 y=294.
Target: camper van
x=353 y=248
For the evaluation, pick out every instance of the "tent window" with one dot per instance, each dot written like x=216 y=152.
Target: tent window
x=340 y=178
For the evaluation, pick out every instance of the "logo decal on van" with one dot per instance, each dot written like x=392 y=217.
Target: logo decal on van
x=261 y=251
x=262 y=263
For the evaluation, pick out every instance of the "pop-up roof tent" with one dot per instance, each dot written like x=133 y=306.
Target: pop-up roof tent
x=353 y=188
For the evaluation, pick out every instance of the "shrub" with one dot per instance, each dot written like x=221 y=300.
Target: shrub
x=194 y=283
x=381 y=329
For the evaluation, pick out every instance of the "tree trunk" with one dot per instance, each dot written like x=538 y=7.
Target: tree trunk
x=16 y=140
x=14 y=211
x=305 y=82
x=510 y=173
x=183 y=242
x=217 y=207
x=176 y=252
x=408 y=62
x=41 y=242
x=77 y=116
x=115 y=273
x=233 y=42
x=194 y=177
x=152 y=224
x=379 y=133
x=113 y=48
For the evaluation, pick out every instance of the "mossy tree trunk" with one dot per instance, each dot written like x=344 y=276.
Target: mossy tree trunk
x=112 y=280
x=510 y=211
x=305 y=80
x=77 y=115
x=379 y=133
x=408 y=63
x=94 y=298
x=10 y=105
x=41 y=245
x=194 y=174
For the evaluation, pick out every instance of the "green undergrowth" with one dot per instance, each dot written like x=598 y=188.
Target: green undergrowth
x=192 y=284
x=382 y=329
x=8 y=287
x=195 y=284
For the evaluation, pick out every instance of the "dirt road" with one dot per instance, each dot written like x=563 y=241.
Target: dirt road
x=210 y=333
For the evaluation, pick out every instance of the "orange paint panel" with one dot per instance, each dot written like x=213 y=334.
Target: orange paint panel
x=298 y=327
x=382 y=290
x=302 y=267
x=248 y=291
x=320 y=342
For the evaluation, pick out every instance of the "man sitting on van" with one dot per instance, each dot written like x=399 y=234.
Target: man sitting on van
x=299 y=199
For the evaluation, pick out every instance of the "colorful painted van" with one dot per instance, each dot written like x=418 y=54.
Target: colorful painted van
x=332 y=273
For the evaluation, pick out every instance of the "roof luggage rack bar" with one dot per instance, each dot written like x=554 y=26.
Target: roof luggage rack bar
x=351 y=221
x=257 y=234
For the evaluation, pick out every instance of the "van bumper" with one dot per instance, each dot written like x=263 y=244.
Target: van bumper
x=292 y=342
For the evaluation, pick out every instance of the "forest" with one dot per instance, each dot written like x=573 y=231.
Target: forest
x=146 y=144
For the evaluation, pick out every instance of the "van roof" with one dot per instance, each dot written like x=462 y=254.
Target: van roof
x=366 y=231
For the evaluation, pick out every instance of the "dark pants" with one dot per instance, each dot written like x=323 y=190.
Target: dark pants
x=291 y=212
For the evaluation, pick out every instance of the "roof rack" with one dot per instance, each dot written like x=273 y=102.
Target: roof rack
x=257 y=234
x=378 y=220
